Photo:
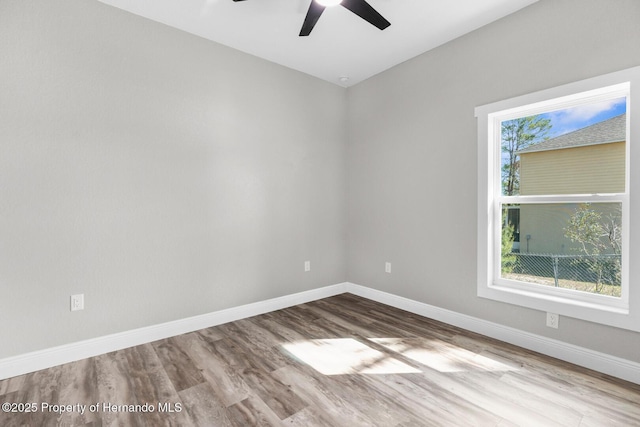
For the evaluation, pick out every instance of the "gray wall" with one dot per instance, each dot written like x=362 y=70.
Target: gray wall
x=412 y=154
x=165 y=176
x=160 y=174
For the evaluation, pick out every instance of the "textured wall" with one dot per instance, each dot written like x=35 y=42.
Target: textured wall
x=160 y=174
x=412 y=150
x=165 y=176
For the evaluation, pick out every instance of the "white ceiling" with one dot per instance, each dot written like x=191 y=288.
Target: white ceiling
x=341 y=44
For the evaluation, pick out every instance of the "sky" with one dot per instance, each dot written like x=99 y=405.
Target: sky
x=571 y=119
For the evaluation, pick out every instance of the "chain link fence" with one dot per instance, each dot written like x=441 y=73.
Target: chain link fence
x=596 y=273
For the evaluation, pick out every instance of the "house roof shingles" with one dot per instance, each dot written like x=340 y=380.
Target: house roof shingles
x=606 y=131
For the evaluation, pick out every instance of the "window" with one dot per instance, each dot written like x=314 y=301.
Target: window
x=554 y=199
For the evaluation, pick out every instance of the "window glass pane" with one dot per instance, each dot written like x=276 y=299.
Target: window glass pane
x=565 y=245
x=578 y=150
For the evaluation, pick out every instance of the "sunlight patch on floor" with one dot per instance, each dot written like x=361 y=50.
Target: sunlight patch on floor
x=346 y=356
x=442 y=356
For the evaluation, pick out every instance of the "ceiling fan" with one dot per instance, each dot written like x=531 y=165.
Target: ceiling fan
x=359 y=7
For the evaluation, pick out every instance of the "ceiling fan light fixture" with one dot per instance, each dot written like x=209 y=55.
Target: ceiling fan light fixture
x=328 y=3
x=358 y=7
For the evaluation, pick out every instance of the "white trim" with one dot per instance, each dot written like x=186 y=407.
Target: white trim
x=623 y=312
x=42 y=359
x=601 y=362
x=607 y=364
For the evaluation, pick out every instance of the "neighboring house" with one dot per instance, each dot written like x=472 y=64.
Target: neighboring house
x=589 y=160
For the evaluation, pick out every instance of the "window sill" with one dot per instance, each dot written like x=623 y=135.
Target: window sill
x=566 y=306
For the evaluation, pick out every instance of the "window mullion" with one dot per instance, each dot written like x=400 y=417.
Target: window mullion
x=562 y=198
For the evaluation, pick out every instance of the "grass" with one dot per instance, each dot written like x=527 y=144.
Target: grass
x=610 y=290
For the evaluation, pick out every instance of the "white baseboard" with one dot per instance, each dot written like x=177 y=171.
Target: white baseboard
x=37 y=360
x=30 y=362
x=601 y=362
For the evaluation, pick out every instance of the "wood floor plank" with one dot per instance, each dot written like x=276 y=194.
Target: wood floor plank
x=11 y=385
x=279 y=329
x=151 y=386
x=324 y=395
x=488 y=396
x=177 y=363
x=434 y=405
x=255 y=339
x=442 y=356
x=253 y=411
x=204 y=407
x=114 y=386
x=310 y=327
x=227 y=382
x=76 y=386
x=373 y=399
x=588 y=407
x=308 y=417
x=340 y=322
x=342 y=361
x=279 y=397
x=38 y=387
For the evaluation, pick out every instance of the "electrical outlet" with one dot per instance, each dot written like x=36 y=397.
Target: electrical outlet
x=387 y=267
x=77 y=302
x=307 y=266
x=553 y=320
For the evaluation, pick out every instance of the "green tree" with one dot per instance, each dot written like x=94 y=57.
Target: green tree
x=598 y=234
x=516 y=135
x=508 y=260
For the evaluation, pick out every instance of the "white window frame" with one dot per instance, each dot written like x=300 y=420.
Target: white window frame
x=620 y=312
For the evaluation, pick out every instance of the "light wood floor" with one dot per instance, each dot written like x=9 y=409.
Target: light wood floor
x=341 y=361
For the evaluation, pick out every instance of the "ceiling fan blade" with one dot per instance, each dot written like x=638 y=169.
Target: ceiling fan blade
x=313 y=14
x=366 y=12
